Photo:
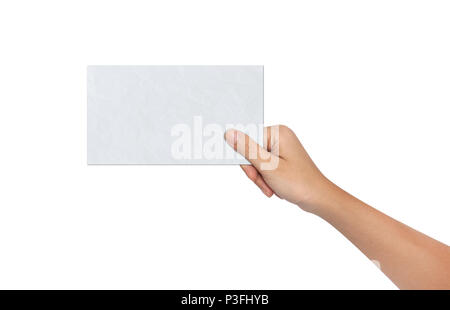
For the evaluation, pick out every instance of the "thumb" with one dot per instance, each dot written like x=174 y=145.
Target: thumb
x=260 y=158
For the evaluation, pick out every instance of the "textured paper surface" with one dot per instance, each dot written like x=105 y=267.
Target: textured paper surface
x=132 y=110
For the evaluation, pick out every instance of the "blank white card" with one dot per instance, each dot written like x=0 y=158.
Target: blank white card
x=171 y=114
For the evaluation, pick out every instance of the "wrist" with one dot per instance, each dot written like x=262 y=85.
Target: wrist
x=325 y=200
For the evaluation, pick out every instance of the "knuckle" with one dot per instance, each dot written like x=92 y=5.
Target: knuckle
x=284 y=129
x=252 y=175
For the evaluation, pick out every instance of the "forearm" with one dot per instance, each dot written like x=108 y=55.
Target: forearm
x=409 y=258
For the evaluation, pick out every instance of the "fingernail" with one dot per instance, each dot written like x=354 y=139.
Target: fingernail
x=230 y=136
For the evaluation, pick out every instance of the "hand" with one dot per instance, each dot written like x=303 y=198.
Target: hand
x=409 y=258
x=281 y=166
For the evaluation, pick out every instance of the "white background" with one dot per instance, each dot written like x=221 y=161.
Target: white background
x=364 y=84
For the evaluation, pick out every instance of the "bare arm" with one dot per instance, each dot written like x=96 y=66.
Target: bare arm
x=409 y=258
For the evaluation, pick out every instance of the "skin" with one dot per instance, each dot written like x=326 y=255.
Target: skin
x=409 y=258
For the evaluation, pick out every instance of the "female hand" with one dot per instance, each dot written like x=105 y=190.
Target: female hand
x=281 y=167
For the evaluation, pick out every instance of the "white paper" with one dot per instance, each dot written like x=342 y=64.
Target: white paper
x=135 y=112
